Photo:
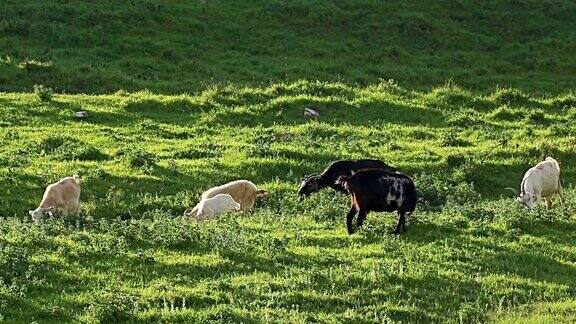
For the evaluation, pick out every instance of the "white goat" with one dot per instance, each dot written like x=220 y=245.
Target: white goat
x=244 y=192
x=218 y=204
x=540 y=181
x=62 y=197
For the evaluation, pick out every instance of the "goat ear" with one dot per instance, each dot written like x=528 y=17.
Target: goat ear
x=31 y=212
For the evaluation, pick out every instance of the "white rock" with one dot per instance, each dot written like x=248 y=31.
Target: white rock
x=309 y=112
x=81 y=114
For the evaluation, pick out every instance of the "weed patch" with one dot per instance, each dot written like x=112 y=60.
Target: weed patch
x=137 y=158
x=67 y=148
x=43 y=93
x=510 y=97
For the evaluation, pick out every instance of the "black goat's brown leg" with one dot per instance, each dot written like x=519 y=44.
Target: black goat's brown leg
x=361 y=217
x=401 y=222
x=349 y=218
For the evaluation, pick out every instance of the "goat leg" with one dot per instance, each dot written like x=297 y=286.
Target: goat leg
x=349 y=218
x=548 y=202
x=401 y=222
x=404 y=222
x=361 y=217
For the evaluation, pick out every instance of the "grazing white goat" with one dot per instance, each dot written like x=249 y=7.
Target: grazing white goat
x=541 y=181
x=62 y=197
x=218 y=204
x=244 y=192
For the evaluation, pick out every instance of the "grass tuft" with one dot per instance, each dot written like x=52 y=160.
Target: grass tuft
x=43 y=92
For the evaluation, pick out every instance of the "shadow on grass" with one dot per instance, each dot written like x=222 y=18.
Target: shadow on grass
x=19 y=188
x=488 y=178
x=277 y=111
x=332 y=111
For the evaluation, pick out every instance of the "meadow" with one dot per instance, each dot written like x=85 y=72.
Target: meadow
x=469 y=254
x=462 y=96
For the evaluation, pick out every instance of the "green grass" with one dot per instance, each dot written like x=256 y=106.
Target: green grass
x=182 y=46
x=469 y=255
x=461 y=95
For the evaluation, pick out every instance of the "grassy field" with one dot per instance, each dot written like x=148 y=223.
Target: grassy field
x=182 y=46
x=469 y=254
x=183 y=95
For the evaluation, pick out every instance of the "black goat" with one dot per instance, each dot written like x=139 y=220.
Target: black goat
x=336 y=169
x=379 y=190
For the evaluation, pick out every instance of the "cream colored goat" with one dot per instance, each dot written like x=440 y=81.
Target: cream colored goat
x=62 y=198
x=221 y=203
x=243 y=192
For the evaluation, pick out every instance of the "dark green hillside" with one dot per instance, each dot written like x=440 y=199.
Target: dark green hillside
x=180 y=46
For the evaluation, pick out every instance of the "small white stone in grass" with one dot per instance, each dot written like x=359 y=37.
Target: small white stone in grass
x=309 y=112
x=81 y=114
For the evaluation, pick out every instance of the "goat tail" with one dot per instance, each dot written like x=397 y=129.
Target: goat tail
x=261 y=193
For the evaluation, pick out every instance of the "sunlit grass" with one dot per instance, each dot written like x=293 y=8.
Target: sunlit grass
x=469 y=253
